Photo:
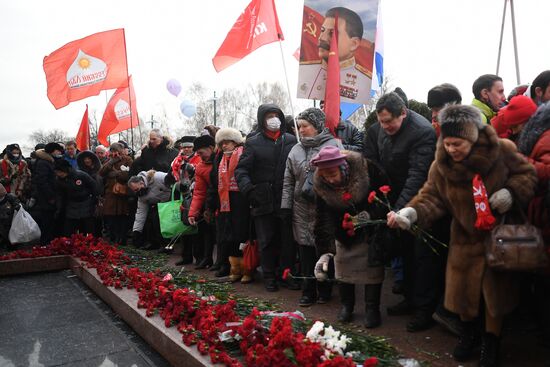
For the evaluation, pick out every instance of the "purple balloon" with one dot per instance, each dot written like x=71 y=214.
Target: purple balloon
x=174 y=87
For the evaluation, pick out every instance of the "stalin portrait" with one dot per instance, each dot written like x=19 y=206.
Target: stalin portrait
x=355 y=79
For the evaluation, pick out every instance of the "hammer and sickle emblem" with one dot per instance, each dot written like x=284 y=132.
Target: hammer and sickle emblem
x=311 y=29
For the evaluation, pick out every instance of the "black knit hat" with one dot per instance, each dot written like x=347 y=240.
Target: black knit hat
x=185 y=141
x=62 y=165
x=39 y=146
x=440 y=95
x=314 y=116
x=203 y=141
x=50 y=147
x=460 y=121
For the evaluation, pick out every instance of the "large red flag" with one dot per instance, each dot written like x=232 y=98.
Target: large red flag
x=332 y=90
x=258 y=25
x=83 y=136
x=117 y=116
x=85 y=67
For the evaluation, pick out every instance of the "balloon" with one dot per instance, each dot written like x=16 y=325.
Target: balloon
x=174 y=87
x=188 y=108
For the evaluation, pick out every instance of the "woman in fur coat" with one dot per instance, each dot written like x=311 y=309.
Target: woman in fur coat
x=475 y=175
x=342 y=183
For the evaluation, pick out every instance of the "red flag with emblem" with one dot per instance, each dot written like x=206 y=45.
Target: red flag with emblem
x=85 y=67
x=332 y=90
x=258 y=25
x=120 y=113
x=83 y=136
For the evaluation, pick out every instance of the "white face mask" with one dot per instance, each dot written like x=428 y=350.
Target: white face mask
x=273 y=124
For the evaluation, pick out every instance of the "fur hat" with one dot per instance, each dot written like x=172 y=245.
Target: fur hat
x=203 y=141
x=62 y=165
x=517 y=112
x=228 y=133
x=460 y=121
x=328 y=157
x=314 y=116
x=50 y=147
x=442 y=94
x=185 y=142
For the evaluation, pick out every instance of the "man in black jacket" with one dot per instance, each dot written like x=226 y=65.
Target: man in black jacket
x=157 y=155
x=259 y=176
x=403 y=143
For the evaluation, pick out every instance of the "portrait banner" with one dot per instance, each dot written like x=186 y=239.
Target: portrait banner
x=356 y=34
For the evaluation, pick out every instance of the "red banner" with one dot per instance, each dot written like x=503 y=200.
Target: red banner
x=258 y=25
x=120 y=113
x=85 y=67
x=83 y=136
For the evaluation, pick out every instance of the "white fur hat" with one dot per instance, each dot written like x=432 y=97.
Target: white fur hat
x=228 y=133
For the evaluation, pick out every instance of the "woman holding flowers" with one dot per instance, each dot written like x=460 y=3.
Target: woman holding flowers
x=313 y=137
x=342 y=183
x=475 y=175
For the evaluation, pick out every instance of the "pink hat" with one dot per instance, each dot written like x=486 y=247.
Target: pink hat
x=517 y=112
x=328 y=157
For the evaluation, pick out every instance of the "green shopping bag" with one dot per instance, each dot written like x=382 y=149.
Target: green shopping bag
x=170 y=218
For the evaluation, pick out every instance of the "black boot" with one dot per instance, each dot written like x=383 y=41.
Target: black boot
x=468 y=342
x=347 y=299
x=223 y=272
x=372 y=305
x=490 y=349
x=422 y=320
x=206 y=260
x=137 y=239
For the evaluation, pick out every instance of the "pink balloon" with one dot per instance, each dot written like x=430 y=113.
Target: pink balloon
x=174 y=87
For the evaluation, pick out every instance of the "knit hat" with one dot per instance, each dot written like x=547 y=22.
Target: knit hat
x=39 y=146
x=460 y=121
x=203 y=141
x=314 y=116
x=50 y=147
x=517 y=112
x=229 y=134
x=442 y=94
x=328 y=157
x=62 y=165
x=185 y=142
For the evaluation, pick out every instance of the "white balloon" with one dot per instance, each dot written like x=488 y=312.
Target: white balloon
x=188 y=108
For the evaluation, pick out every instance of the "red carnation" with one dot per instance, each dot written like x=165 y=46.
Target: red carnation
x=385 y=189
x=372 y=197
x=286 y=273
x=350 y=232
x=371 y=361
x=346 y=196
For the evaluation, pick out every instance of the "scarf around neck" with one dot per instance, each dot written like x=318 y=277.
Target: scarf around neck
x=226 y=177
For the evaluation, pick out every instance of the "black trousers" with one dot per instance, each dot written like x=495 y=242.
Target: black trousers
x=81 y=225
x=311 y=287
x=46 y=222
x=274 y=236
x=117 y=227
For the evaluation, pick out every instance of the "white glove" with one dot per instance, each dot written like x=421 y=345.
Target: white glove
x=321 y=268
x=405 y=218
x=501 y=201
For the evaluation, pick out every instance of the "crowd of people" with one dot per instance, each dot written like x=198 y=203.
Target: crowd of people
x=427 y=193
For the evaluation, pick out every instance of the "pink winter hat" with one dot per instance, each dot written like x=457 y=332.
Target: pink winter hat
x=328 y=157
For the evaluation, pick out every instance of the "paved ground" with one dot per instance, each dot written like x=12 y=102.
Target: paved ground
x=519 y=349
x=53 y=319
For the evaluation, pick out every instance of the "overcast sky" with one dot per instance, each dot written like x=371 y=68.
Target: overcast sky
x=427 y=42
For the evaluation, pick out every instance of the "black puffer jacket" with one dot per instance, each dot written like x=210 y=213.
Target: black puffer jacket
x=406 y=156
x=158 y=159
x=261 y=169
x=43 y=181
x=351 y=137
x=77 y=194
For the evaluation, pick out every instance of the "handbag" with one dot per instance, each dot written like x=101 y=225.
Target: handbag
x=120 y=189
x=516 y=247
x=170 y=218
x=307 y=188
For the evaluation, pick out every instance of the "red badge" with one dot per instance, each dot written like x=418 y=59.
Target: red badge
x=78 y=182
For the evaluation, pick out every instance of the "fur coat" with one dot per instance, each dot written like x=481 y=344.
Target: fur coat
x=449 y=191
x=353 y=254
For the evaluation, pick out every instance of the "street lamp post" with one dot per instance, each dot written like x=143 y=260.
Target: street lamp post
x=214 y=99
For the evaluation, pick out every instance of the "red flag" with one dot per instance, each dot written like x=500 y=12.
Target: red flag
x=83 y=136
x=85 y=67
x=258 y=25
x=332 y=90
x=117 y=116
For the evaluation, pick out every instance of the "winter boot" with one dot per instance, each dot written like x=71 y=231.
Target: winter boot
x=468 y=342
x=137 y=239
x=206 y=260
x=235 y=272
x=347 y=299
x=372 y=305
x=247 y=275
x=490 y=348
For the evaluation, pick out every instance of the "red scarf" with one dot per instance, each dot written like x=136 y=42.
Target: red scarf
x=7 y=174
x=485 y=220
x=273 y=135
x=226 y=178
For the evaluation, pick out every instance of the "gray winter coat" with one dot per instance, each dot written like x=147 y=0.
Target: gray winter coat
x=157 y=193
x=297 y=166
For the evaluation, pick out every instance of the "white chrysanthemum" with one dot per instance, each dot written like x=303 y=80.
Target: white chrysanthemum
x=313 y=333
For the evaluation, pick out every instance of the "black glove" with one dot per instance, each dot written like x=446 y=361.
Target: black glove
x=137 y=239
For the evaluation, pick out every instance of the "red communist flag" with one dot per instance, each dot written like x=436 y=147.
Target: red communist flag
x=258 y=25
x=332 y=90
x=117 y=116
x=85 y=67
x=83 y=136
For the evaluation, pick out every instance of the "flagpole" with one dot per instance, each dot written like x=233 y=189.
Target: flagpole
x=288 y=90
x=129 y=92
x=88 y=123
